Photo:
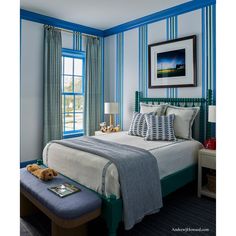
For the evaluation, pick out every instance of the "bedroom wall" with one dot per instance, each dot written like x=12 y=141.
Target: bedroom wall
x=31 y=87
x=31 y=91
x=200 y=22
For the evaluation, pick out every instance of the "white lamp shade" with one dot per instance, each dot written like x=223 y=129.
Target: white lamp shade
x=111 y=108
x=212 y=114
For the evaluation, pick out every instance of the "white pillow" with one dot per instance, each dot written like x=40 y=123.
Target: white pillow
x=184 y=118
x=147 y=108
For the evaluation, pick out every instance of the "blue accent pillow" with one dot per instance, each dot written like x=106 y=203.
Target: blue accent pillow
x=138 y=125
x=160 y=127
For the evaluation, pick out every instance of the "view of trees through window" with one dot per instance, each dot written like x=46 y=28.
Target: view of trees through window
x=72 y=94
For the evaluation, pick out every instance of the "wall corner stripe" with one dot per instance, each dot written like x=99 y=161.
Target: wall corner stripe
x=143 y=59
x=119 y=76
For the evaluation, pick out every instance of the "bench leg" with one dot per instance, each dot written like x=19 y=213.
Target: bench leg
x=26 y=206
x=78 y=231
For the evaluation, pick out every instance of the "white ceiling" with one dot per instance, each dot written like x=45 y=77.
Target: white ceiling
x=99 y=14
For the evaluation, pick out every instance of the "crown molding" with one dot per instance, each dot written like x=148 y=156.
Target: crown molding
x=173 y=11
x=32 y=16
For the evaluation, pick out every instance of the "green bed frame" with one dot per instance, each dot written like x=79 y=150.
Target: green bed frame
x=112 y=207
x=112 y=210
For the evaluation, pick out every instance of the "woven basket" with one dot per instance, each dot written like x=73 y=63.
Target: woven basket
x=211 y=183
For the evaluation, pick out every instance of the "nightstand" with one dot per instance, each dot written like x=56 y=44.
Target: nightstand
x=207 y=159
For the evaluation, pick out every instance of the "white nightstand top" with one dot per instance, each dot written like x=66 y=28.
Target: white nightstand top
x=103 y=133
x=208 y=152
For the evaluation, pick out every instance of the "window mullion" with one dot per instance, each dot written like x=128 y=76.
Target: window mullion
x=74 y=112
x=73 y=76
x=63 y=68
x=83 y=74
x=63 y=75
x=64 y=113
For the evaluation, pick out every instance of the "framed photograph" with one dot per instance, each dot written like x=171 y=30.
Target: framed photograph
x=173 y=63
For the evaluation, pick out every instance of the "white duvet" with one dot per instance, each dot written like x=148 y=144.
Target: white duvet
x=95 y=172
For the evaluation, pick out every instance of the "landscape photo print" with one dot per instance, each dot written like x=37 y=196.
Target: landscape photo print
x=173 y=63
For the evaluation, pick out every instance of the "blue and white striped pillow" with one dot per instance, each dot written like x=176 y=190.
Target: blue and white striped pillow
x=138 y=125
x=160 y=127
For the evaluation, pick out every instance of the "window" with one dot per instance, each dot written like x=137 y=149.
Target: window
x=73 y=63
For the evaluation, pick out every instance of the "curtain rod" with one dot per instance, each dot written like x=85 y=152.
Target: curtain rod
x=72 y=32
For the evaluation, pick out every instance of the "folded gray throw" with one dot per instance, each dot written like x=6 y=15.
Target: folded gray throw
x=138 y=175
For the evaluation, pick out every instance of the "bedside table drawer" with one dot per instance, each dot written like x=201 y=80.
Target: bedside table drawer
x=208 y=161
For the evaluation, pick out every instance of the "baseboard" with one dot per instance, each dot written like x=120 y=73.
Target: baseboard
x=25 y=163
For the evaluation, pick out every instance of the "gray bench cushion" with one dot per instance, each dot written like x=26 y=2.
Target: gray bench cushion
x=69 y=207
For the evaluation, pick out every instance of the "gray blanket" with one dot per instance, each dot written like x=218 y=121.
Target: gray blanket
x=138 y=175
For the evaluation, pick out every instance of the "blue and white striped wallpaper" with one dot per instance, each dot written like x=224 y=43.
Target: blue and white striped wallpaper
x=172 y=33
x=200 y=22
x=209 y=50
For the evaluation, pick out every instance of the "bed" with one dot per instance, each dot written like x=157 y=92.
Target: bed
x=95 y=171
x=176 y=160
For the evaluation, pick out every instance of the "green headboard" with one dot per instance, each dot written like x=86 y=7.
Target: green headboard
x=203 y=103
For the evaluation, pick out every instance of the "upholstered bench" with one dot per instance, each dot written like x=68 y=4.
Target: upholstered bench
x=69 y=215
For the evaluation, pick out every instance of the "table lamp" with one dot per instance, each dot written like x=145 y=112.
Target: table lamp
x=111 y=108
x=212 y=114
x=211 y=143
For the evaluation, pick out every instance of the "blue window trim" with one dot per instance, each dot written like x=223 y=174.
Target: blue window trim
x=73 y=54
x=73 y=135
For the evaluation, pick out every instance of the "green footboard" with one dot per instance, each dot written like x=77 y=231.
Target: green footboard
x=177 y=180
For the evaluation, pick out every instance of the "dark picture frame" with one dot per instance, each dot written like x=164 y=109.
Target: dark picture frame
x=173 y=63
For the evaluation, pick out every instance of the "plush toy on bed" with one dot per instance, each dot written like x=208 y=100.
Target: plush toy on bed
x=42 y=173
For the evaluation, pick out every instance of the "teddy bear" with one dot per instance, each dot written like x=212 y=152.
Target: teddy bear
x=42 y=173
x=103 y=127
x=116 y=129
